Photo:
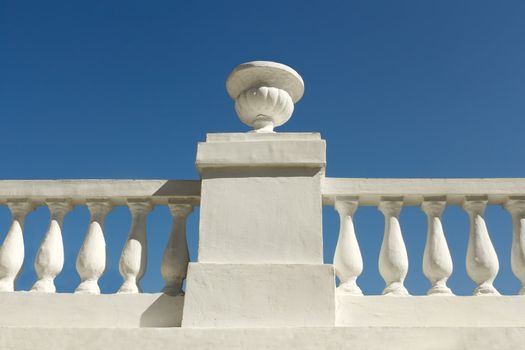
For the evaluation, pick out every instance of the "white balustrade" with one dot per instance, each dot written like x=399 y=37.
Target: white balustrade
x=12 y=249
x=91 y=259
x=437 y=262
x=134 y=256
x=516 y=207
x=176 y=256
x=50 y=257
x=393 y=258
x=482 y=261
x=347 y=259
x=99 y=196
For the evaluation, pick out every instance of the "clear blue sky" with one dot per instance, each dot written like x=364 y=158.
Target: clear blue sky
x=398 y=89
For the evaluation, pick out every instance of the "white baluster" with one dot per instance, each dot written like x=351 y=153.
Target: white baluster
x=12 y=250
x=517 y=210
x=50 y=257
x=91 y=259
x=135 y=253
x=482 y=261
x=347 y=258
x=176 y=257
x=437 y=262
x=393 y=258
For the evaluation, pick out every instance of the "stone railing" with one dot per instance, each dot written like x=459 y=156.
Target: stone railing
x=432 y=195
x=99 y=196
x=260 y=280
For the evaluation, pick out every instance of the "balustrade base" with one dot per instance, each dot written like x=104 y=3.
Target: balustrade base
x=440 y=290
x=305 y=338
x=396 y=289
x=259 y=295
x=426 y=311
x=29 y=309
x=486 y=290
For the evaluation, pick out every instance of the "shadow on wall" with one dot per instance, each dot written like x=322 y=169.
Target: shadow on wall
x=165 y=311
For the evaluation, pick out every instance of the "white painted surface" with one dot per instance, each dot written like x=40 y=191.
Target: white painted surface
x=49 y=259
x=175 y=260
x=261 y=219
x=161 y=310
x=12 y=248
x=413 y=191
x=437 y=262
x=348 y=262
x=264 y=93
x=28 y=310
x=254 y=151
x=482 y=261
x=264 y=108
x=264 y=73
x=258 y=295
x=134 y=258
x=424 y=311
x=517 y=211
x=91 y=259
x=261 y=241
x=306 y=338
x=393 y=258
x=261 y=199
x=117 y=191
x=247 y=136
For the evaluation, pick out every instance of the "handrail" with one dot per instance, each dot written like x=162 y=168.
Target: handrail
x=159 y=191
x=413 y=191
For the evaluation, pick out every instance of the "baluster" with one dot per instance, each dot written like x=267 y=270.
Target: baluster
x=347 y=259
x=517 y=210
x=50 y=257
x=482 y=261
x=176 y=257
x=12 y=250
x=393 y=258
x=91 y=259
x=437 y=262
x=135 y=253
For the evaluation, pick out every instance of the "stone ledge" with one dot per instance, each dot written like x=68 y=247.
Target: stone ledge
x=430 y=311
x=306 y=338
x=256 y=151
x=413 y=191
x=117 y=191
x=252 y=136
x=26 y=309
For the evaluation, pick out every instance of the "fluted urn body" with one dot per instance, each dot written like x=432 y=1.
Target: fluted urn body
x=264 y=93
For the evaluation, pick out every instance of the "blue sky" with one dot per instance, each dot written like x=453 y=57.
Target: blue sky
x=398 y=89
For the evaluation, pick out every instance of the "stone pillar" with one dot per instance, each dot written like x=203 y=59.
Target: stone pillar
x=260 y=232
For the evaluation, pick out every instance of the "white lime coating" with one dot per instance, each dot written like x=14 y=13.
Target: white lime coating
x=265 y=73
x=260 y=282
x=264 y=93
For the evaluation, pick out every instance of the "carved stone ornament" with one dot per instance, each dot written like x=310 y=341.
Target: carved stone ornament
x=264 y=93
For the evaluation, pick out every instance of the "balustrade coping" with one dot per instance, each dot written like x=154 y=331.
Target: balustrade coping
x=369 y=192
x=116 y=191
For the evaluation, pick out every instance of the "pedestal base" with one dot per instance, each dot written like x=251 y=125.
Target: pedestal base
x=259 y=295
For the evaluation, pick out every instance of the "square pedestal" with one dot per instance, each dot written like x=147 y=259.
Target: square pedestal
x=261 y=198
x=273 y=295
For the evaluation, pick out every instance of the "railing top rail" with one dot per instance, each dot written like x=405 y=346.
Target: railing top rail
x=414 y=191
x=116 y=191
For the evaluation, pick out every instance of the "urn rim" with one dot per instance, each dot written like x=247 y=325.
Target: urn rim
x=265 y=73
